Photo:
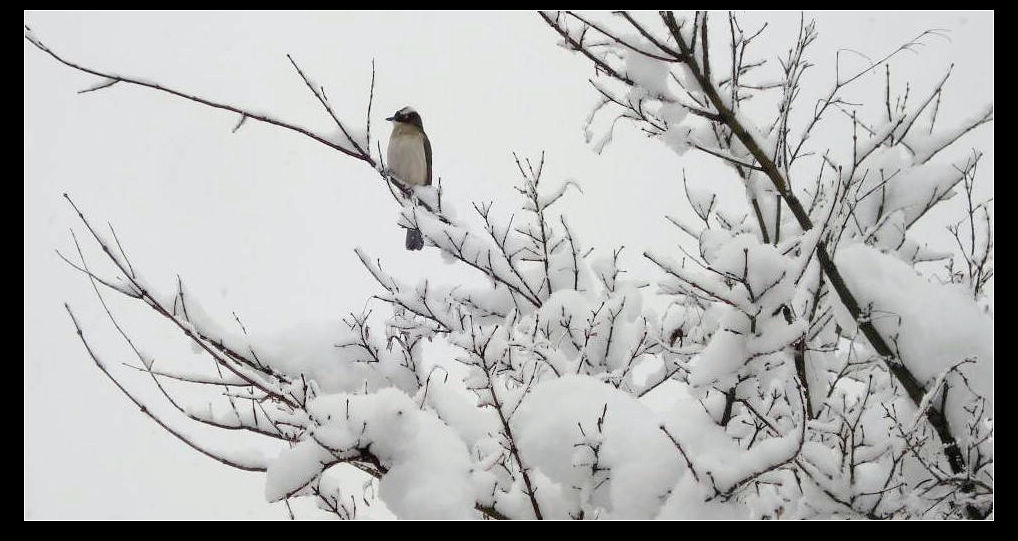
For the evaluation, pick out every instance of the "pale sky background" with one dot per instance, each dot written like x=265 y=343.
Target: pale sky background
x=263 y=222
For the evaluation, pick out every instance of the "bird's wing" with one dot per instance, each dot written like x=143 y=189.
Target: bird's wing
x=427 y=157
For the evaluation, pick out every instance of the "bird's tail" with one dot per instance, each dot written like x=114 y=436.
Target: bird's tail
x=414 y=239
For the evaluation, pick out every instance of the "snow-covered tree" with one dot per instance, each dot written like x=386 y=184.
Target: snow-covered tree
x=818 y=358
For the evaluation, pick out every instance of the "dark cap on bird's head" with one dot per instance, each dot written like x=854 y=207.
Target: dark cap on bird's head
x=407 y=115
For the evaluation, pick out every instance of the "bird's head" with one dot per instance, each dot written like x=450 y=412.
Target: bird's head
x=407 y=115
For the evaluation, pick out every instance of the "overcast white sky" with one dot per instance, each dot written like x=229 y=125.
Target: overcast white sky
x=264 y=222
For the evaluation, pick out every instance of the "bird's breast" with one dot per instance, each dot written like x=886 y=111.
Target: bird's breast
x=406 y=158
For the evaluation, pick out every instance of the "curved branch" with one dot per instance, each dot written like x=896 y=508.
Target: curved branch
x=238 y=463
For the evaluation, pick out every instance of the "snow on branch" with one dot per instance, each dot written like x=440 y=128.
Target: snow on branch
x=804 y=364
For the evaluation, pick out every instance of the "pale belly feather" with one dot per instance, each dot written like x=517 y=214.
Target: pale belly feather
x=406 y=159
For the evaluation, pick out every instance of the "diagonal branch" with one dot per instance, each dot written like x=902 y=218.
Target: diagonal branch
x=226 y=107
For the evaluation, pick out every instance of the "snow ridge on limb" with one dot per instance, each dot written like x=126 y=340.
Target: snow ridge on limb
x=877 y=196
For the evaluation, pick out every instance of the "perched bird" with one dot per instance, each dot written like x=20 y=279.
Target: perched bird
x=409 y=159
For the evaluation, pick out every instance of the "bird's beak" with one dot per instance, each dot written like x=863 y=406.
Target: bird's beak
x=390 y=118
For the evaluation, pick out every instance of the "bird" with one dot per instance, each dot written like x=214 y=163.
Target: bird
x=409 y=159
